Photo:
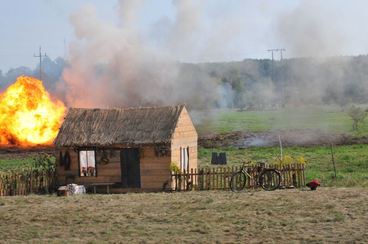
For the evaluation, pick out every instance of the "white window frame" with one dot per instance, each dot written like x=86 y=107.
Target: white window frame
x=184 y=159
x=90 y=168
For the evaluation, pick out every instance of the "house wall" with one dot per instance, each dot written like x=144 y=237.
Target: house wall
x=108 y=173
x=185 y=135
x=154 y=170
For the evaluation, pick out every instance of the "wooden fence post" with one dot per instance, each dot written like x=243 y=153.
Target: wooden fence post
x=218 y=177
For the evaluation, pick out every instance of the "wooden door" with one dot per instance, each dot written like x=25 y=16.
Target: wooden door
x=130 y=167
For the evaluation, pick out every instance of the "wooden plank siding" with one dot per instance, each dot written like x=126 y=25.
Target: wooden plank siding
x=106 y=173
x=185 y=135
x=155 y=171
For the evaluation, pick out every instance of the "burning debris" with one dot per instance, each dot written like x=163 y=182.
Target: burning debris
x=28 y=115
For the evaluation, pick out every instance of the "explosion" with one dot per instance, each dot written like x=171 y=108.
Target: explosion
x=28 y=115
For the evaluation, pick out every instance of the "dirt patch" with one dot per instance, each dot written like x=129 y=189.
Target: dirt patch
x=283 y=216
x=242 y=139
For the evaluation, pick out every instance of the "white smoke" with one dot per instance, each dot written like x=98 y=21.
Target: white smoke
x=119 y=64
x=322 y=28
x=113 y=65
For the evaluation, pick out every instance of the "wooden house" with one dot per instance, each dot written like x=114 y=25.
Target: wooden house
x=129 y=148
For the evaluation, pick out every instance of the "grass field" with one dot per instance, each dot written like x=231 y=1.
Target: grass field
x=327 y=119
x=9 y=163
x=284 y=216
x=18 y=160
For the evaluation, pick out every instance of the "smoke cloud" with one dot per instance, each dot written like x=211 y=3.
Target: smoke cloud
x=120 y=64
x=322 y=31
x=311 y=30
x=113 y=65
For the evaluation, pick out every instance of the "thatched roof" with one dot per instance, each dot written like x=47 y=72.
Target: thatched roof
x=104 y=127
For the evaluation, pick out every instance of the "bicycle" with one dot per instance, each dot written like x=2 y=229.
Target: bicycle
x=268 y=178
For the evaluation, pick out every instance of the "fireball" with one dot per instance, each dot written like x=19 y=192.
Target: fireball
x=28 y=115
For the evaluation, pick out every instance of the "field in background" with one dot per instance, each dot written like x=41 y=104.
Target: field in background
x=351 y=161
x=10 y=161
x=326 y=215
x=325 y=118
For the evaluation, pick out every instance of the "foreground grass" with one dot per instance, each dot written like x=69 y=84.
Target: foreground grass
x=327 y=119
x=351 y=161
x=283 y=216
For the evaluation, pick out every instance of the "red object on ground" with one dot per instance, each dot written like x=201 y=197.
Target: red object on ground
x=313 y=184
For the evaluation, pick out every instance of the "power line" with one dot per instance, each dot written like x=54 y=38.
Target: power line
x=272 y=50
x=281 y=50
x=276 y=50
x=40 y=56
x=281 y=73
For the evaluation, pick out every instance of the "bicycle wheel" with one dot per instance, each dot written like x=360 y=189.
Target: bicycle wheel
x=270 y=179
x=237 y=181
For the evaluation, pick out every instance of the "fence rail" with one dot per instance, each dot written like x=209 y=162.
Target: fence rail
x=218 y=178
x=39 y=181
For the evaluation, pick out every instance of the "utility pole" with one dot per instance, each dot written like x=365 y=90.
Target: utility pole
x=272 y=71
x=272 y=60
x=272 y=50
x=40 y=56
x=277 y=50
x=282 y=77
x=281 y=50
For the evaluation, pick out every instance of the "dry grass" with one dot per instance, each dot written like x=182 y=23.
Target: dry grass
x=284 y=216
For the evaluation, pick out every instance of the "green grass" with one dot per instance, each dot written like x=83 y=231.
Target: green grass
x=327 y=119
x=22 y=160
x=351 y=161
x=9 y=163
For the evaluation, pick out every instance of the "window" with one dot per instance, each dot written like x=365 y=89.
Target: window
x=87 y=163
x=184 y=158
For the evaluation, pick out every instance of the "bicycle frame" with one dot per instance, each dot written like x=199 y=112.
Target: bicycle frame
x=258 y=178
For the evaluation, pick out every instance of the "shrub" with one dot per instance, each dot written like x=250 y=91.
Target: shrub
x=174 y=168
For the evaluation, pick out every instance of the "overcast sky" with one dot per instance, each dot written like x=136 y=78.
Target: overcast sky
x=229 y=29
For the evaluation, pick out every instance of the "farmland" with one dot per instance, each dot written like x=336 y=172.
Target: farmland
x=327 y=215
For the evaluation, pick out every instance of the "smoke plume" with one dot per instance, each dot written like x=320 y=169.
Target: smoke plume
x=121 y=64
x=113 y=65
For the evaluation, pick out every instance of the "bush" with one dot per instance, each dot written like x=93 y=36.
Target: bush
x=357 y=115
x=174 y=168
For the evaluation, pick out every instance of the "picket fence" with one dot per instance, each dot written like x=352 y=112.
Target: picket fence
x=218 y=178
x=41 y=181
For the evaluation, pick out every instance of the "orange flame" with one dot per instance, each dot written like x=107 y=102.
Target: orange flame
x=28 y=116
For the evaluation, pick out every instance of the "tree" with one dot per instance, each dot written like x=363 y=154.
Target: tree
x=357 y=115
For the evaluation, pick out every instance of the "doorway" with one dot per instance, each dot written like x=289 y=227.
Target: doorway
x=130 y=168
